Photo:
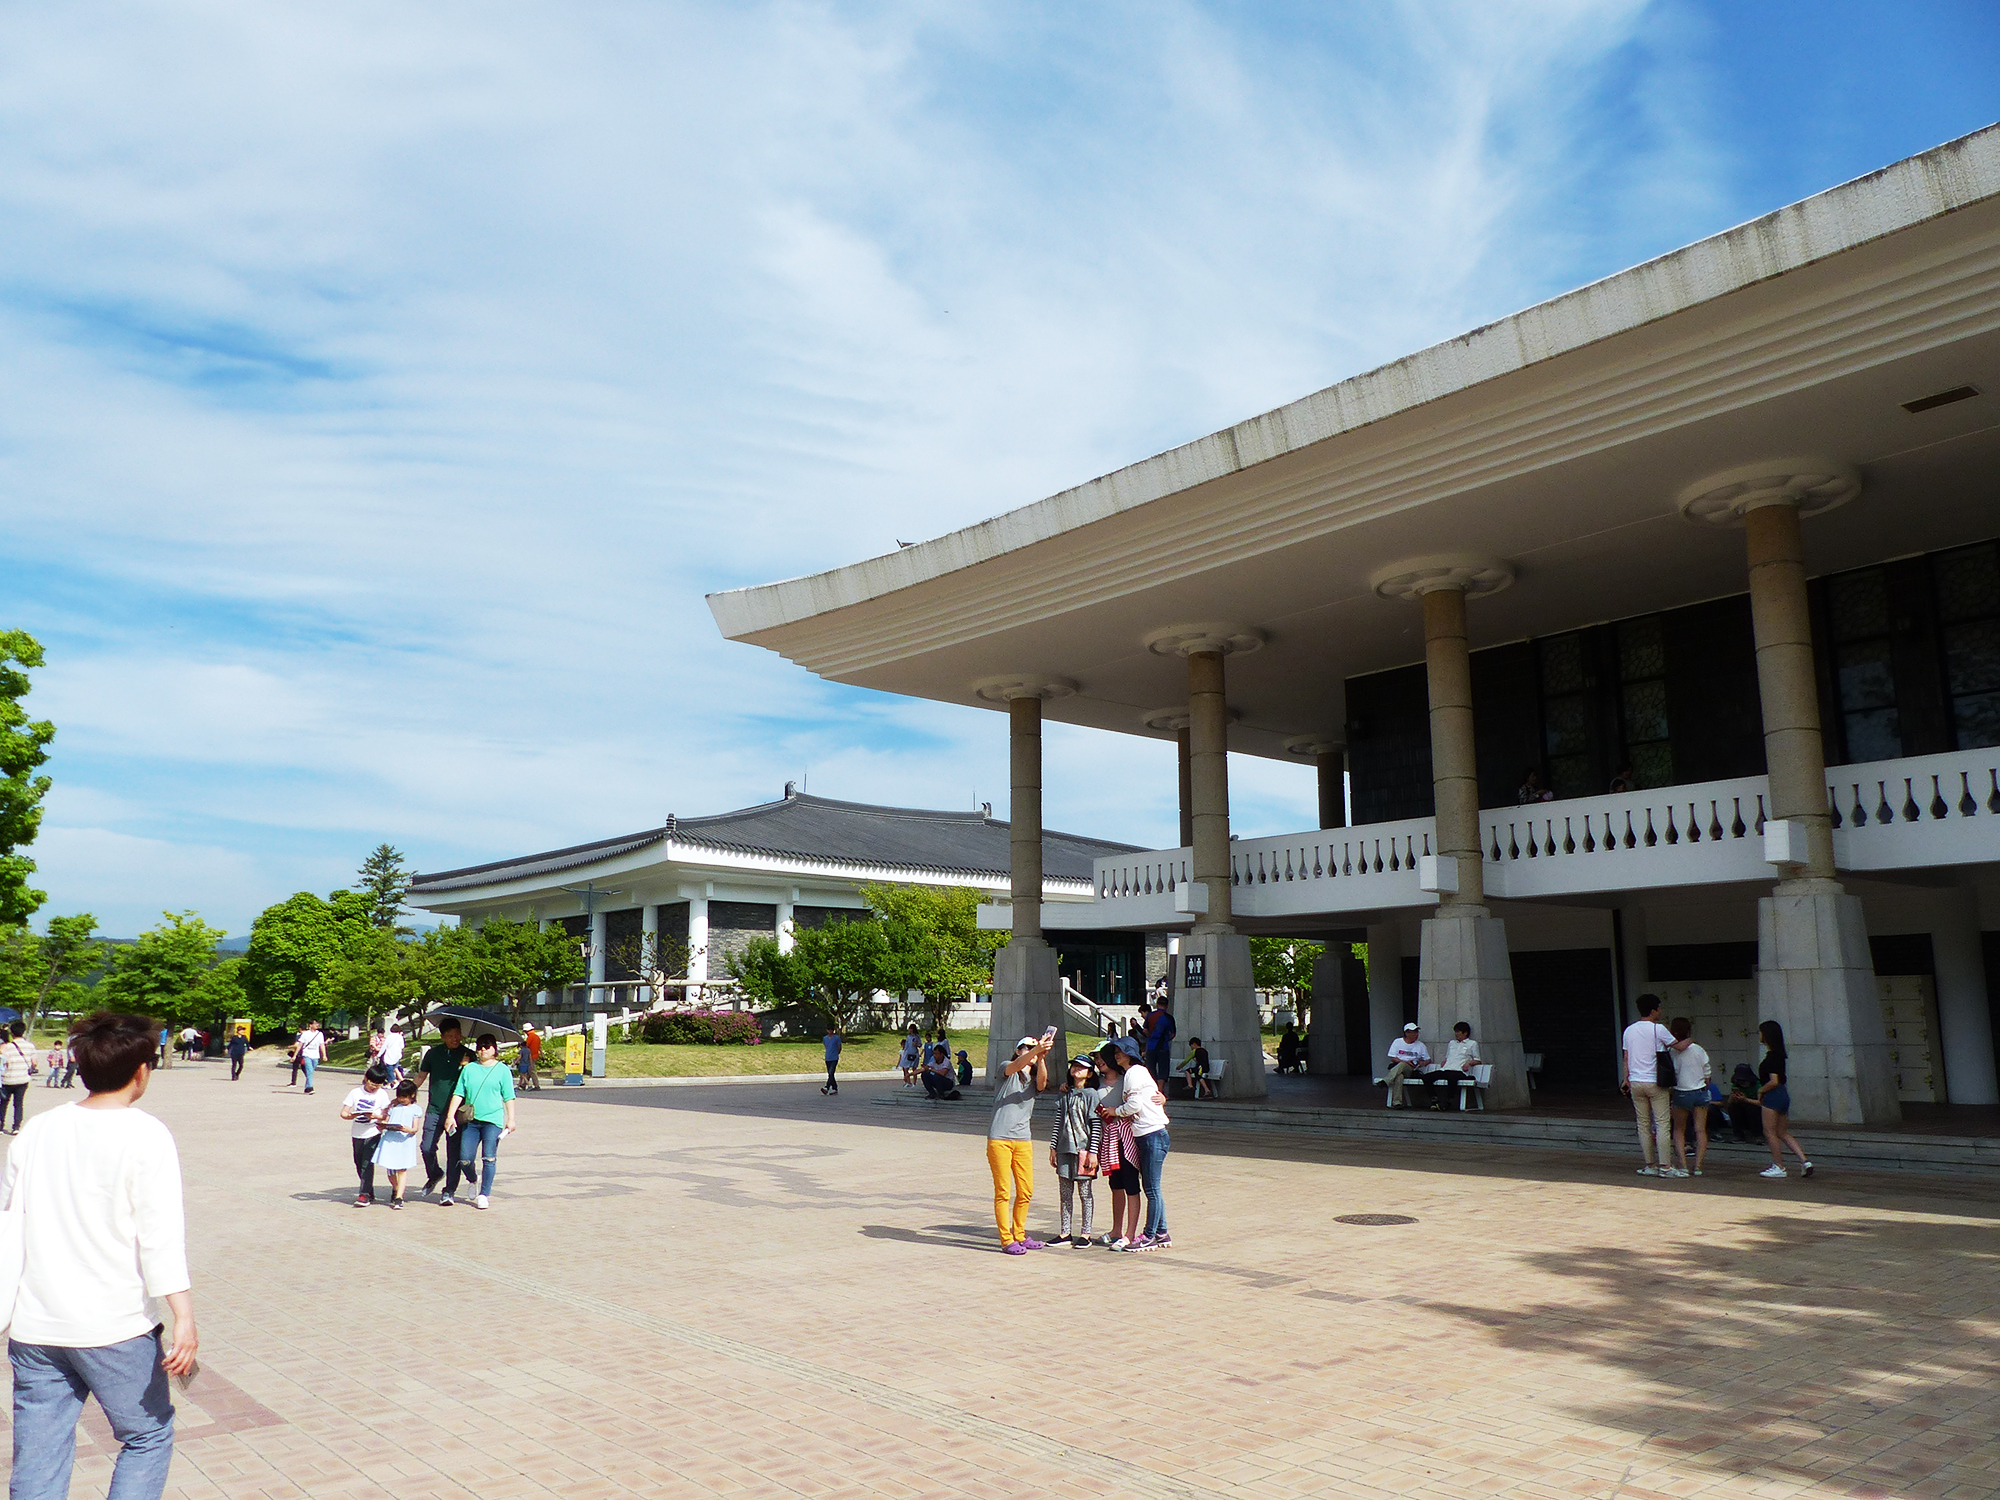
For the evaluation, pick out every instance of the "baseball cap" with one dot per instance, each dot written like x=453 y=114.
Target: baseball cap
x=1409 y=1026
x=1026 y=1041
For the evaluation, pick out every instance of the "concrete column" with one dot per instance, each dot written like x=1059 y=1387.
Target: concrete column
x=1965 y=1020
x=1329 y=758
x=787 y=920
x=1024 y=813
x=698 y=934
x=1184 y=744
x=1454 y=759
x=1814 y=974
x=1636 y=975
x=1787 y=686
x=649 y=939
x=1326 y=1037
x=1385 y=993
x=1464 y=971
x=1208 y=784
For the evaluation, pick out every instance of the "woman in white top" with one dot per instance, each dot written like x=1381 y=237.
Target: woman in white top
x=1142 y=1103
x=17 y=1065
x=1690 y=1095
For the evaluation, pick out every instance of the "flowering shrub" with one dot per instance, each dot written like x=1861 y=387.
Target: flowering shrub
x=709 y=1028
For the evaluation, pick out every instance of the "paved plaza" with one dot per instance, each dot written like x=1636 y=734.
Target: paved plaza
x=755 y=1291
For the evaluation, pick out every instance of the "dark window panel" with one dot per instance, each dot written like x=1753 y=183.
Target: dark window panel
x=1645 y=712
x=1389 y=745
x=1506 y=711
x=1866 y=675
x=1972 y=656
x=1567 y=725
x=1977 y=720
x=1653 y=764
x=1858 y=604
x=1968 y=581
x=1873 y=735
x=742 y=916
x=1642 y=651
x=1563 y=664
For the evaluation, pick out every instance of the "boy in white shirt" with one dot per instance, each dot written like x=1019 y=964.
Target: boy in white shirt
x=366 y=1107
x=98 y=1186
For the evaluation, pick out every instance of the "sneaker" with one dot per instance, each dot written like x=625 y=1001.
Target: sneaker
x=1774 y=1171
x=431 y=1182
x=1697 y=1171
x=1080 y=1242
x=1673 y=1171
x=1164 y=1242
x=1143 y=1242
x=480 y=1201
x=446 y=1201
x=1121 y=1243
x=1014 y=1249
x=1649 y=1171
x=1806 y=1170
x=360 y=1200
x=395 y=1203
x=822 y=1088
x=1058 y=1243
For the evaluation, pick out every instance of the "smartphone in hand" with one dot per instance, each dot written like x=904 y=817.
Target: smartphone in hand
x=1049 y=1035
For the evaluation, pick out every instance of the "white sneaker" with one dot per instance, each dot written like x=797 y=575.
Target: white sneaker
x=1774 y=1171
x=1649 y=1171
x=1673 y=1171
x=480 y=1201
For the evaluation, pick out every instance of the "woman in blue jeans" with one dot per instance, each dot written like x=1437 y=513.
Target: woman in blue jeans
x=1139 y=1100
x=488 y=1091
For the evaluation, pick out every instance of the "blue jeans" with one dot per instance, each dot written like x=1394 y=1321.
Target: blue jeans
x=433 y=1132
x=311 y=1065
x=130 y=1384
x=1152 y=1158
x=470 y=1138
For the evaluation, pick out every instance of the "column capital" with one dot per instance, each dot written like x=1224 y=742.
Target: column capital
x=1218 y=638
x=1315 y=744
x=1012 y=685
x=1470 y=573
x=1173 y=720
x=1808 y=485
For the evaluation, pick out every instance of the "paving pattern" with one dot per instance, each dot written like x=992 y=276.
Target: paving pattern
x=749 y=1290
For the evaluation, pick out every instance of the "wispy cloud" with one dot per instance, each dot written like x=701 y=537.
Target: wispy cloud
x=381 y=388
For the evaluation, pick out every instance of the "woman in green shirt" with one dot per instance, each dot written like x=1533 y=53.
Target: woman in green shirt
x=488 y=1092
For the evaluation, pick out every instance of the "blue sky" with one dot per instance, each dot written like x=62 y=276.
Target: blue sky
x=382 y=387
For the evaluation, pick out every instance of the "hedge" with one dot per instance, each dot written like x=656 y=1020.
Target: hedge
x=708 y=1028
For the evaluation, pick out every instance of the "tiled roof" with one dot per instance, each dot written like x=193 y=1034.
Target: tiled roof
x=802 y=826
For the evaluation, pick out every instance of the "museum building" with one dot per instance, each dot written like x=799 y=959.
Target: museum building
x=1656 y=630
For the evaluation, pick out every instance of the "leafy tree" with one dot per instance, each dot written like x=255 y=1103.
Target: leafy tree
x=1285 y=964
x=24 y=746
x=652 y=960
x=161 y=975
x=384 y=878
x=297 y=946
x=768 y=975
x=69 y=952
x=935 y=944
x=383 y=974
x=507 y=962
x=23 y=966
x=843 y=964
x=221 y=995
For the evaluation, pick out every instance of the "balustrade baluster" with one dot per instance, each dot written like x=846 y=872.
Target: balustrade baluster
x=1993 y=798
x=1378 y=856
x=1347 y=859
x=1857 y=815
x=1833 y=805
x=1966 y=806
x=1319 y=871
x=1495 y=831
x=1513 y=844
x=1393 y=856
x=1589 y=838
x=1884 y=813
x=1736 y=828
x=1652 y=838
x=1673 y=833
x=1234 y=877
x=1288 y=864
x=1549 y=841
x=1938 y=809
x=1147 y=886
x=1427 y=843
x=1694 y=825
x=1629 y=840
x=1260 y=867
x=1910 y=812
x=1409 y=852
x=1170 y=877
x=1714 y=822
x=1760 y=815
x=1569 y=839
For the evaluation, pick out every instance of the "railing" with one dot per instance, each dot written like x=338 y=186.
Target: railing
x=1901 y=814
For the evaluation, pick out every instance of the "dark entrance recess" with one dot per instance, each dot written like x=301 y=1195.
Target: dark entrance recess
x=1354 y=991
x=1564 y=997
x=1108 y=967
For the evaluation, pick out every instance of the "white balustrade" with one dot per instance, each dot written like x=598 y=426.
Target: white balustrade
x=1888 y=815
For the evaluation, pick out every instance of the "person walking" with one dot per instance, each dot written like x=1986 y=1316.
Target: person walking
x=1689 y=1100
x=1639 y=1074
x=98 y=1186
x=831 y=1044
x=1073 y=1149
x=531 y=1058
x=17 y=1066
x=393 y=1043
x=239 y=1048
x=312 y=1051
x=488 y=1090
x=69 y=1063
x=1010 y=1141
x=364 y=1109
x=1776 y=1101
x=912 y=1056
x=1142 y=1102
x=1160 y=1033
x=396 y=1152
x=438 y=1072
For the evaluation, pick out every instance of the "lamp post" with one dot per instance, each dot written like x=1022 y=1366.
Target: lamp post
x=593 y=951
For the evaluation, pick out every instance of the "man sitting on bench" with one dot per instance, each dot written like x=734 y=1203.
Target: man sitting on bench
x=1408 y=1058
x=1461 y=1056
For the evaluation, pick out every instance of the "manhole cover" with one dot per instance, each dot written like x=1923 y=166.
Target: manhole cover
x=1374 y=1219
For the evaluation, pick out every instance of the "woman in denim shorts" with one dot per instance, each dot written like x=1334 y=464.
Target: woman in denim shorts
x=1776 y=1100
x=1689 y=1097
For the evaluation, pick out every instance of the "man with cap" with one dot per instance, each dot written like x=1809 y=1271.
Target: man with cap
x=1010 y=1141
x=1408 y=1058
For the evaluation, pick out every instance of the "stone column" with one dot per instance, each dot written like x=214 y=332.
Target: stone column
x=1222 y=1008
x=649 y=939
x=541 y=996
x=1329 y=758
x=698 y=934
x=1027 y=994
x=1636 y=974
x=1814 y=974
x=787 y=921
x=1464 y=973
x=1326 y=1038
x=1385 y=993
x=1184 y=748
x=1965 y=1019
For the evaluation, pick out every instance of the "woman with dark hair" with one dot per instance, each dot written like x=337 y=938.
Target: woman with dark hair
x=488 y=1091
x=1776 y=1100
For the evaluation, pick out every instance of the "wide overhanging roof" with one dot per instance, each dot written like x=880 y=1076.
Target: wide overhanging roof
x=1556 y=439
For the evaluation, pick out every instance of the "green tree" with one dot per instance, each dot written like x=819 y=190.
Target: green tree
x=23 y=966
x=768 y=975
x=506 y=963
x=384 y=878
x=935 y=944
x=843 y=964
x=24 y=747
x=297 y=946
x=652 y=960
x=1285 y=964
x=385 y=974
x=70 y=952
x=161 y=975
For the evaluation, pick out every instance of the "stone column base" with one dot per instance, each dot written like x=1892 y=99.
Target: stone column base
x=1463 y=974
x=1815 y=978
x=1223 y=1012
x=1026 y=1001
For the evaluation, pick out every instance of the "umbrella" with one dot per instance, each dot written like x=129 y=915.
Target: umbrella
x=475 y=1021
x=8 y=1013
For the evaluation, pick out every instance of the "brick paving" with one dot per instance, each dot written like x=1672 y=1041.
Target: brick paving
x=753 y=1291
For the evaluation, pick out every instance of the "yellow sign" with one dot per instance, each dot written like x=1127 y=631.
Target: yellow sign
x=573 y=1055
x=240 y=1028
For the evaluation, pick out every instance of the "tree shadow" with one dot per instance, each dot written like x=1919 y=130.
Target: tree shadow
x=1857 y=1350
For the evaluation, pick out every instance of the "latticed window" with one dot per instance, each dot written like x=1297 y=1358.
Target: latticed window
x=1968 y=593
x=1568 y=738
x=1863 y=665
x=1642 y=700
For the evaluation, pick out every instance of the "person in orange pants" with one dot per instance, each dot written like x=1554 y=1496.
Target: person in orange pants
x=1010 y=1141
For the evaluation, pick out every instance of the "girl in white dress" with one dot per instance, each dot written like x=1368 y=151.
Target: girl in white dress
x=400 y=1127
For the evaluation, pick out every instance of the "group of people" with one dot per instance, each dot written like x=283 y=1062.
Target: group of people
x=1672 y=1088
x=1410 y=1062
x=927 y=1062
x=397 y=1124
x=1110 y=1122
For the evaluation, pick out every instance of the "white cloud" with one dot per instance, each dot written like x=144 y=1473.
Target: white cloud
x=383 y=387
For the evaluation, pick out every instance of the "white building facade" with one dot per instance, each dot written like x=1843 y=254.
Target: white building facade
x=1656 y=628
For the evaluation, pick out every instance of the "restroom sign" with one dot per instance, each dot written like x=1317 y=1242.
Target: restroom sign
x=1194 y=971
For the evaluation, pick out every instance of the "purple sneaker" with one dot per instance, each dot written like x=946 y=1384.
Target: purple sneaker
x=1017 y=1248
x=1143 y=1242
x=1031 y=1244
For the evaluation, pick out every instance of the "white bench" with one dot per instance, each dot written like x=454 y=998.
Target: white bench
x=1217 y=1067
x=1468 y=1088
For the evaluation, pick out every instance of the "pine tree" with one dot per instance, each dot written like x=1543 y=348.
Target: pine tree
x=24 y=746
x=384 y=878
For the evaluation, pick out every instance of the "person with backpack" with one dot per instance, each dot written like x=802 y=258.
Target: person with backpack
x=17 y=1066
x=1160 y=1032
x=1646 y=1073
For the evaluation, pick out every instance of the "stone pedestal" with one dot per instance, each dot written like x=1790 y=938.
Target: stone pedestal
x=1027 y=999
x=1816 y=979
x=1223 y=1012
x=1326 y=1039
x=1463 y=974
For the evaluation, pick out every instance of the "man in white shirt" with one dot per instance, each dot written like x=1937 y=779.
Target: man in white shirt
x=392 y=1051
x=1408 y=1057
x=1638 y=1075
x=312 y=1051
x=98 y=1188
